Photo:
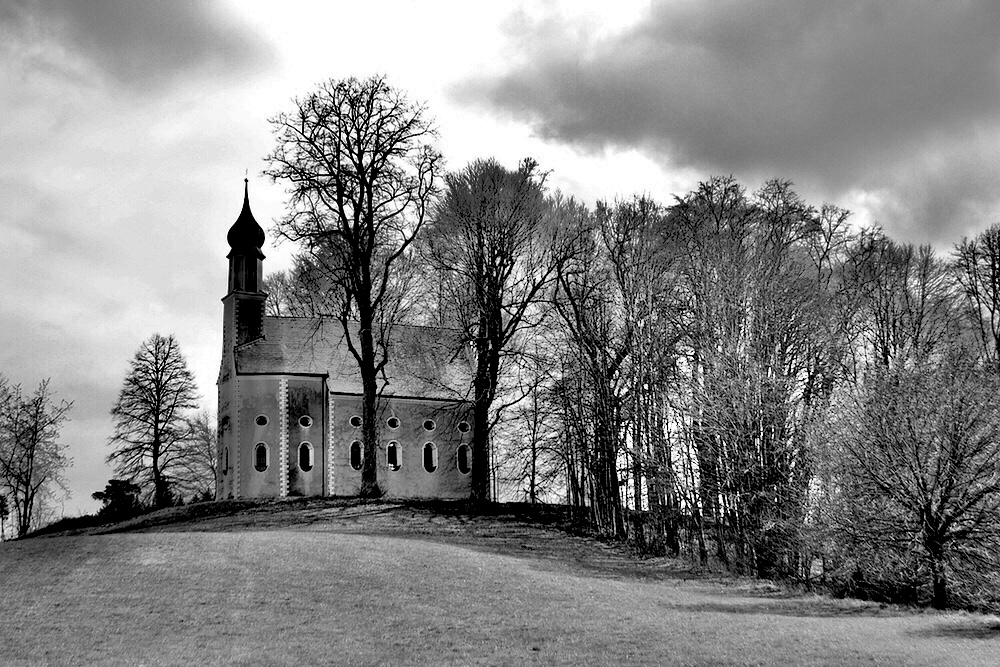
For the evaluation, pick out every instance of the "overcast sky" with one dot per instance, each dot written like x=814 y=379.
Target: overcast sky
x=127 y=128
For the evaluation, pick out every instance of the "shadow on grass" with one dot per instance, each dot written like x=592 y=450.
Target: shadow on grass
x=803 y=608
x=968 y=629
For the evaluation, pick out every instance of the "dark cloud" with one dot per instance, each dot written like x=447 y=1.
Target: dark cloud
x=840 y=94
x=142 y=45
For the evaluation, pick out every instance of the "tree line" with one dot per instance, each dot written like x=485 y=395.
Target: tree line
x=736 y=376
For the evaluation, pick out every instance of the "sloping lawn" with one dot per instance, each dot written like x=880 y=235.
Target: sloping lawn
x=349 y=593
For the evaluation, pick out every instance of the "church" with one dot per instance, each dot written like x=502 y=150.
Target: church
x=290 y=399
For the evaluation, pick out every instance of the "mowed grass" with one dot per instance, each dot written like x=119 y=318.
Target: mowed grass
x=380 y=585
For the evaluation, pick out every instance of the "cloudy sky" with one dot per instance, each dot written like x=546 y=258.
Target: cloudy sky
x=127 y=129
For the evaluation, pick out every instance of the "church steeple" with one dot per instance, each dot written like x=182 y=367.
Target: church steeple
x=246 y=238
x=244 y=303
x=245 y=232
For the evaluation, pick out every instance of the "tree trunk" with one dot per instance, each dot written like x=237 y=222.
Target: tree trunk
x=369 y=425
x=480 y=492
x=939 y=579
x=487 y=368
x=159 y=486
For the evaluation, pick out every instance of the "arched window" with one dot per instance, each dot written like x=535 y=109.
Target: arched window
x=356 y=421
x=392 y=455
x=392 y=422
x=429 y=425
x=305 y=421
x=357 y=455
x=305 y=457
x=463 y=427
x=261 y=420
x=464 y=459
x=430 y=457
x=260 y=457
x=225 y=461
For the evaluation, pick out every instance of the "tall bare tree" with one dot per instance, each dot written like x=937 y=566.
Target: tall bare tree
x=977 y=261
x=361 y=178
x=494 y=243
x=150 y=418
x=31 y=457
x=754 y=360
x=604 y=299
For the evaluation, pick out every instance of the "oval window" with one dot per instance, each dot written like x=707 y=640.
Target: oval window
x=392 y=422
x=260 y=457
x=429 y=425
x=305 y=421
x=430 y=457
x=260 y=420
x=305 y=457
x=392 y=455
x=357 y=455
x=356 y=421
x=464 y=459
x=464 y=427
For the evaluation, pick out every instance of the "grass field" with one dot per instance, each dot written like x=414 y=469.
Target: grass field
x=327 y=582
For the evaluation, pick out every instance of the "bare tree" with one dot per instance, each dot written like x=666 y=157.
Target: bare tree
x=361 y=180
x=31 y=457
x=756 y=358
x=919 y=475
x=496 y=246
x=906 y=297
x=529 y=441
x=601 y=298
x=194 y=470
x=151 y=428
x=977 y=262
x=303 y=291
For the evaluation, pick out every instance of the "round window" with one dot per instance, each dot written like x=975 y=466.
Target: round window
x=356 y=421
x=261 y=420
x=392 y=422
x=429 y=425
x=464 y=427
x=305 y=421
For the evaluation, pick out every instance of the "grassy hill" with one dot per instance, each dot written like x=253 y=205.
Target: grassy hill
x=314 y=581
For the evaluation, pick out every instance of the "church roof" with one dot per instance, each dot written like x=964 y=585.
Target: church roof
x=424 y=362
x=245 y=233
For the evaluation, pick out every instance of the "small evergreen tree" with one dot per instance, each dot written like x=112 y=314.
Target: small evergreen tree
x=120 y=498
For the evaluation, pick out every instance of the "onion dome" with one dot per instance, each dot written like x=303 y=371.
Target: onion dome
x=245 y=232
